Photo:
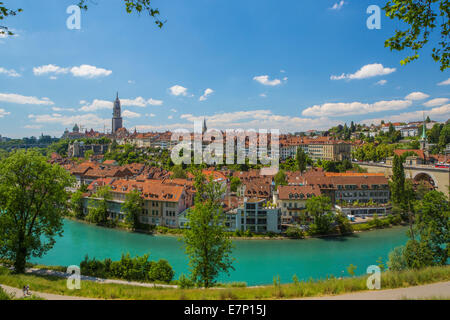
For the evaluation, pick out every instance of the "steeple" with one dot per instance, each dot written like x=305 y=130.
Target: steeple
x=117 y=115
x=205 y=128
x=424 y=129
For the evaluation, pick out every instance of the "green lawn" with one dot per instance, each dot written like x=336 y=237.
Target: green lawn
x=389 y=280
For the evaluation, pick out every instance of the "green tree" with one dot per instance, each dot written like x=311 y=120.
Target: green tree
x=33 y=201
x=397 y=260
x=320 y=209
x=132 y=208
x=432 y=225
x=98 y=205
x=161 y=271
x=280 y=178
x=178 y=172
x=76 y=204
x=398 y=181
x=422 y=18
x=234 y=184
x=301 y=159
x=206 y=241
x=343 y=224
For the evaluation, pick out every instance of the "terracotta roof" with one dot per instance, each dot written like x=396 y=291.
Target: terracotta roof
x=297 y=192
x=150 y=189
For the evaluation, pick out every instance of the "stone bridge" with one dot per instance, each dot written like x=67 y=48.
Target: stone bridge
x=439 y=177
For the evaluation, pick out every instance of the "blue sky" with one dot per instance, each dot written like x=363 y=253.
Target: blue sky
x=292 y=65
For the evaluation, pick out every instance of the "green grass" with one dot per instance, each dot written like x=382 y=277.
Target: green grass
x=6 y=296
x=331 y=286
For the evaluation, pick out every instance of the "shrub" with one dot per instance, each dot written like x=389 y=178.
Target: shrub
x=161 y=271
x=295 y=233
x=185 y=282
x=396 y=260
x=128 y=268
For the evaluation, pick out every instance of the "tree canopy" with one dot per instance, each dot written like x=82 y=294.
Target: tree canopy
x=33 y=201
x=422 y=17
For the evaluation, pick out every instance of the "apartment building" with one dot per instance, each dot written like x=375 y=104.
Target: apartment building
x=162 y=202
x=292 y=201
x=258 y=216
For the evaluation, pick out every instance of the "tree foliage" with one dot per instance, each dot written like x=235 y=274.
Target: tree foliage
x=98 y=206
x=423 y=17
x=319 y=208
x=132 y=208
x=33 y=201
x=137 y=6
x=4 y=13
x=206 y=241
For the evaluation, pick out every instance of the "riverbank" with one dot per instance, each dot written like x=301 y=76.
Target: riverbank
x=383 y=223
x=327 y=287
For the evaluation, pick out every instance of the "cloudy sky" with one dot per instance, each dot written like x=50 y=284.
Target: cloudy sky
x=291 y=65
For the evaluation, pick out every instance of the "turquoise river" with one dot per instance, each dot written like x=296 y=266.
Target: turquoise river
x=257 y=261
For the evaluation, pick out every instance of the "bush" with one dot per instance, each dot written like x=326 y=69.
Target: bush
x=295 y=233
x=161 y=271
x=396 y=260
x=4 y=295
x=128 y=268
x=185 y=282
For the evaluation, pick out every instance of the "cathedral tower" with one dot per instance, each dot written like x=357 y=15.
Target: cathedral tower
x=117 y=115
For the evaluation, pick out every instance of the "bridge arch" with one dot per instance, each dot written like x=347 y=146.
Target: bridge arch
x=425 y=176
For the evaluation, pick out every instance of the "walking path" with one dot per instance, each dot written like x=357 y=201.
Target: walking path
x=59 y=274
x=17 y=293
x=440 y=290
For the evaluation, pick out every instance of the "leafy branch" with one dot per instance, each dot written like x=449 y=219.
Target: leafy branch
x=421 y=16
x=5 y=12
x=135 y=6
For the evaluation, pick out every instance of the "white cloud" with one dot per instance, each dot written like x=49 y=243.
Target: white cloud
x=338 y=5
x=4 y=113
x=442 y=112
x=354 y=108
x=58 y=109
x=263 y=95
x=416 y=96
x=131 y=81
x=174 y=110
x=130 y=114
x=205 y=95
x=87 y=120
x=33 y=126
x=140 y=102
x=19 y=99
x=170 y=117
x=10 y=73
x=154 y=102
x=381 y=82
x=49 y=69
x=97 y=105
x=436 y=102
x=89 y=72
x=444 y=83
x=367 y=71
x=178 y=91
x=265 y=81
x=256 y=119
x=151 y=115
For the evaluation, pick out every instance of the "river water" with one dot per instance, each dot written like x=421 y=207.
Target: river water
x=257 y=261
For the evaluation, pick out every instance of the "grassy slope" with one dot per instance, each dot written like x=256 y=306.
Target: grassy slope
x=389 y=280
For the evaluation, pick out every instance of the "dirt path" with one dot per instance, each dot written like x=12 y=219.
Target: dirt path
x=440 y=290
x=17 y=293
